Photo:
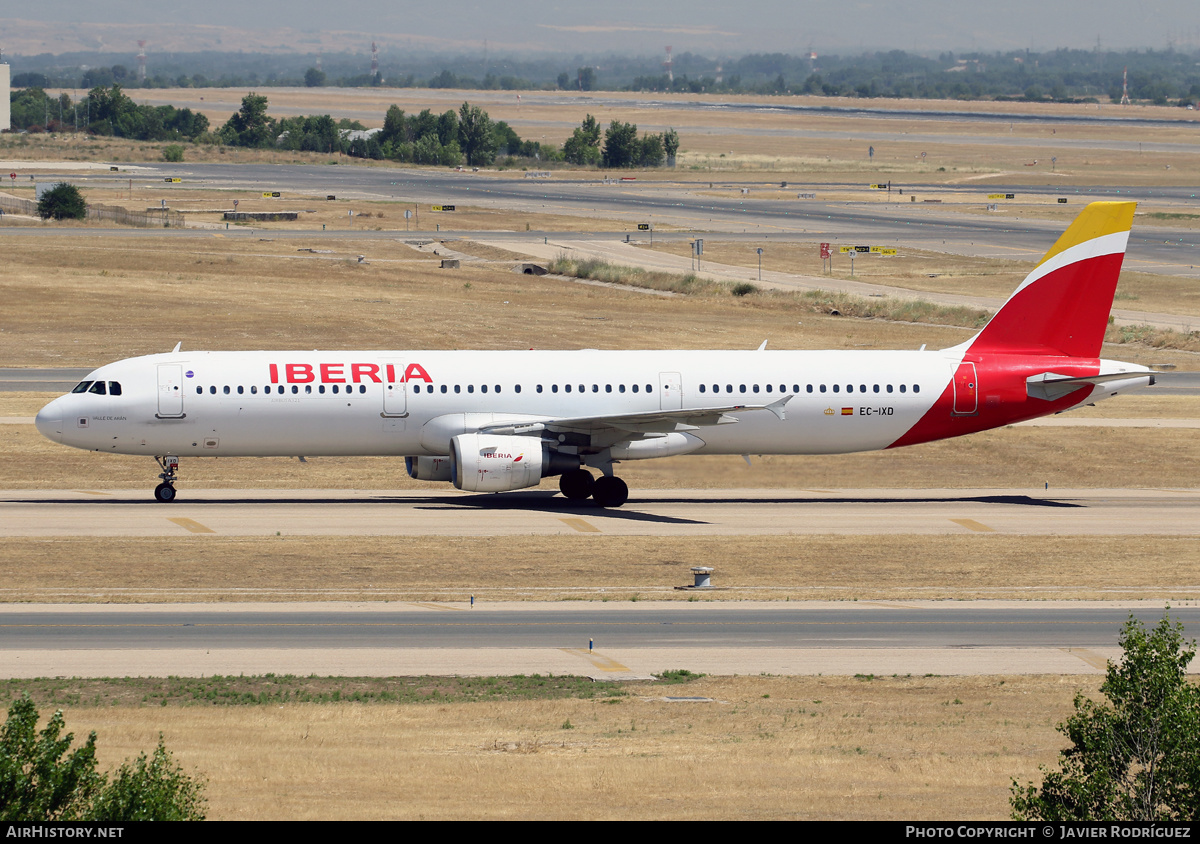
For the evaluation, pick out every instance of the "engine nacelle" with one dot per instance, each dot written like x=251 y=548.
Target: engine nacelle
x=429 y=468
x=492 y=463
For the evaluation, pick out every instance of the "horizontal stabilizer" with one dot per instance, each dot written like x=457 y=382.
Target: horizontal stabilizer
x=1050 y=386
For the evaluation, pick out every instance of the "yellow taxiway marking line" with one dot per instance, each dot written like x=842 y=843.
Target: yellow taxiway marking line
x=971 y=524
x=580 y=525
x=191 y=525
x=437 y=607
x=92 y=492
x=1090 y=657
x=601 y=662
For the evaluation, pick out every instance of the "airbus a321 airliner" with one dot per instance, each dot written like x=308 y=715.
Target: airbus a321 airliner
x=490 y=421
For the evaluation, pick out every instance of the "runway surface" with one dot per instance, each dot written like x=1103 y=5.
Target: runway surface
x=666 y=513
x=606 y=641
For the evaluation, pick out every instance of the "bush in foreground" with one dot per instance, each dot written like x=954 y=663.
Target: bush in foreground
x=1136 y=757
x=41 y=781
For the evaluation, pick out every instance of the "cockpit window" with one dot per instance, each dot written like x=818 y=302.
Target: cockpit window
x=82 y=387
x=114 y=388
x=98 y=389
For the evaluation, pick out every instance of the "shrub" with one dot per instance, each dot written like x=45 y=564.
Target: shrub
x=62 y=202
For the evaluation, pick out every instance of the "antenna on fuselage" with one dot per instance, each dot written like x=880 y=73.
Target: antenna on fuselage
x=176 y=349
x=763 y=346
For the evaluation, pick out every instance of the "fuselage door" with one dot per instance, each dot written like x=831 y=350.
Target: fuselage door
x=966 y=390
x=670 y=391
x=395 y=399
x=170 y=390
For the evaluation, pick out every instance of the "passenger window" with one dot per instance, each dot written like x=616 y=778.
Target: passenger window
x=889 y=388
x=253 y=390
x=225 y=389
x=916 y=388
x=608 y=388
x=470 y=388
x=280 y=389
x=620 y=388
x=242 y=389
x=539 y=388
x=877 y=388
x=862 y=388
x=822 y=388
x=114 y=388
x=321 y=389
x=635 y=388
x=443 y=389
x=729 y=388
x=458 y=388
x=335 y=389
x=497 y=388
x=768 y=388
x=649 y=388
x=567 y=387
x=582 y=388
x=517 y=388
x=82 y=387
x=213 y=390
x=554 y=388
x=810 y=388
x=307 y=389
x=795 y=388
x=741 y=388
x=837 y=388
x=755 y=388
x=99 y=389
x=483 y=388
x=595 y=388
x=902 y=388
x=199 y=391
x=295 y=389
x=702 y=388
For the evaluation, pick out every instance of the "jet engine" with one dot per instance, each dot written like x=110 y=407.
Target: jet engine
x=428 y=468
x=492 y=463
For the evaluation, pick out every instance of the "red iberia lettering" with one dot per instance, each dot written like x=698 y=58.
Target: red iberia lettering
x=415 y=371
x=391 y=373
x=368 y=370
x=332 y=373
x=299 y=373
x=274 y=373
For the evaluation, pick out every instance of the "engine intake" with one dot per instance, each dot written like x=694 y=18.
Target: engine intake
x=492 y=463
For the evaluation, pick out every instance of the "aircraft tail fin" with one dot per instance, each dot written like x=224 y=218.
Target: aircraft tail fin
x=1062 y=307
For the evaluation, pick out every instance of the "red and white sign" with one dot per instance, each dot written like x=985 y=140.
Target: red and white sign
x=824 y=251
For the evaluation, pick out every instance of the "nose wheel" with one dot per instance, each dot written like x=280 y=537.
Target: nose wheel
x=165 y=492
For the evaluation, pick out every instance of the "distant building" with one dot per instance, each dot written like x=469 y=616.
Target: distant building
x=5 y=98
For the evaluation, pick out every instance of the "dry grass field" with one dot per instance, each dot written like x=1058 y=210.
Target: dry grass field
x=756 y=748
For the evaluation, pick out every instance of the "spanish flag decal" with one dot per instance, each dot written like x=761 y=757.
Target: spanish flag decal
x=847 y=411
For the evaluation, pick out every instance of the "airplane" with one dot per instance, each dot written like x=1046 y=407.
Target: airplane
x=494 y=421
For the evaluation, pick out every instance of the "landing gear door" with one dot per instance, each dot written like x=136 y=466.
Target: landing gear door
x=170 y=391
x=670 y=391
x=966 y=390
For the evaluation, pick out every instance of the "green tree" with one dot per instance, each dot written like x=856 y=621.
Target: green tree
x=670 y=142
x=583 y=147
x=314 y=78
x=250 y=126
x=173 y=153
x=1136 y=757
x=621 y=145
x=62 y=202
x=475 y=136
x=41 y=781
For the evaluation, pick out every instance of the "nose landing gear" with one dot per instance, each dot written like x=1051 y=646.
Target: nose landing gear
x=165 y=491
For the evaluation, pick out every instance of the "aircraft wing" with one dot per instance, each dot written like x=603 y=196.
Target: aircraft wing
x=649 y=422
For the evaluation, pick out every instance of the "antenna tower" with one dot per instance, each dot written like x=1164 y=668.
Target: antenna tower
x=141 y=59
x=318 y=59
x=1125 y=87
x=667 y=66
x=374 y=60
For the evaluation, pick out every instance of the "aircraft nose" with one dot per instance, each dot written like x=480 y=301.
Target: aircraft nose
x=49 y=421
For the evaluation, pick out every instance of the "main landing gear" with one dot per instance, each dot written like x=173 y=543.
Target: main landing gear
x=606 y=490
x=165 y=491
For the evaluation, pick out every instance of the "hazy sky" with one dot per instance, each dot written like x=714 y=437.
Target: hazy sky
x=638 y=26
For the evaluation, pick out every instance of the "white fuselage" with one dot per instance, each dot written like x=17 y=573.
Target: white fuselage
x=409 y=403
